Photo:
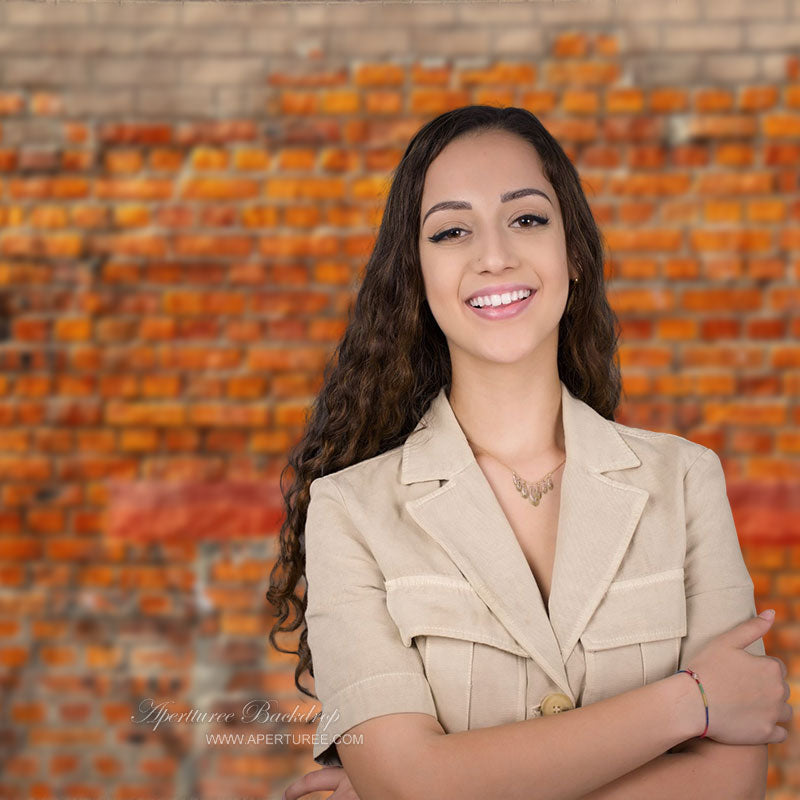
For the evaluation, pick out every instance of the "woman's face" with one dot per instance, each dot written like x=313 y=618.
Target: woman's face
x=494 y=243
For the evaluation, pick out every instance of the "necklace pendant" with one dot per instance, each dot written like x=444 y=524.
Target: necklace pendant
x=533 y=491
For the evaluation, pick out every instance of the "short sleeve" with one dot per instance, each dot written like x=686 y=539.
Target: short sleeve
x=719 y=589
x=362 y=669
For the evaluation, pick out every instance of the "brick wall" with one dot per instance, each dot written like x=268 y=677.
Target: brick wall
x=187 y=194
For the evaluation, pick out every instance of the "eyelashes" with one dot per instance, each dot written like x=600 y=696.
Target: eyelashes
x=540 y=219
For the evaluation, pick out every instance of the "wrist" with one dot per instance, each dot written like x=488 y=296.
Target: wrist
x=688 y=719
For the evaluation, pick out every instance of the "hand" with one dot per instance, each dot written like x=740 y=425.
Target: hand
x=747 y=694
x=326 y=779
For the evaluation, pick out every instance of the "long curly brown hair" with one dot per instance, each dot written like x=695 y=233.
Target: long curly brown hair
x=393 y=358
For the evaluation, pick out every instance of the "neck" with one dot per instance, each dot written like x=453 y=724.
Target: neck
x=519 y=423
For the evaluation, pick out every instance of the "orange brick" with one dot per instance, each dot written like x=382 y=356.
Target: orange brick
x=211 y=158
x=62 y=763
x=495 y=97
x=539 y=101
x=122 y=160
x=768 y=210
x=242 y=625
x=379 y=75
x=297 y=103
x=340 y=101
x=570 y=45
x=163 y=159
x=259 y=216
x=779 y=126
x=735 y=154
x=722 y=210
x=580 y=102
x=721 y=299
x=713 y=100
x=758 y=98
x=436 y=101
x=72 y=329
x=270 y=442
x=48 y=217
x=131 y=216
x=339 y=160
x=219 y=189
x=677 y=329
x=606 y=45
x=251 y=158
x=13 y=657
x=11 y=103
x=26 y=713
x=155 y=604
x=298 y=158
x=19 y=549
x=142 y=440
x=151 y=189
x=582 y=72
x=736 y=239
x=306 y=188
x=499 y=73
x=46 y=520
x=430 y=76
x=302 y=216
x=624 y=101
x=383 y=102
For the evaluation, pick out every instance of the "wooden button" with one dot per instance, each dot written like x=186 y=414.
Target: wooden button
x=556 y=703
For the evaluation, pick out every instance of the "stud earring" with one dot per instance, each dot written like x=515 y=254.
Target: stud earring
x=574 y=282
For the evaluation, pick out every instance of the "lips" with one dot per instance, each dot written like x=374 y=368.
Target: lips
x=503 y=311
x=505 y=298
x=500 y=289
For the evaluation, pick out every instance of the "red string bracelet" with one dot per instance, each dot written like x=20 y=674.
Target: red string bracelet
x=692 y=674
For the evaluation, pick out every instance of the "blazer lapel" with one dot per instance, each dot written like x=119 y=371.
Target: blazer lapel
x=597 y=517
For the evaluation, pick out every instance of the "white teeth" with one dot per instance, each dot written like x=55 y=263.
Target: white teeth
x=499 y=299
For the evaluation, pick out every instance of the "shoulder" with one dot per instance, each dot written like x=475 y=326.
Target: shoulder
x=662 y=449
x=378 y=474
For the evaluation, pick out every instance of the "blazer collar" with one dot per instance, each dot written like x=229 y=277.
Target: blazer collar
x=597 y=517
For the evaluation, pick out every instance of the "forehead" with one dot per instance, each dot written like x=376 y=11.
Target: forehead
x=489 y=162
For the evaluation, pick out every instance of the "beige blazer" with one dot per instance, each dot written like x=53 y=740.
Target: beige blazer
x=421 y=599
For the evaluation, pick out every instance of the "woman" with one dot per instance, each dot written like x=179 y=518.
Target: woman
x=482 y=544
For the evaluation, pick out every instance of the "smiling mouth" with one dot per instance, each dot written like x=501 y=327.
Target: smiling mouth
x=499 y=300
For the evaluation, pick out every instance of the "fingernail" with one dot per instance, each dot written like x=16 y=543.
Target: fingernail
x=768 y=614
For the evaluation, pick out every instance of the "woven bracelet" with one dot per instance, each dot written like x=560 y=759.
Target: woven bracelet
x=692 y=674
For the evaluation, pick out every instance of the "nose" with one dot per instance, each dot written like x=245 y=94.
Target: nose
x=494 y=252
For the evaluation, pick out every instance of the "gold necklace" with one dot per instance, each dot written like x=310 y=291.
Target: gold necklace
x=530 y=491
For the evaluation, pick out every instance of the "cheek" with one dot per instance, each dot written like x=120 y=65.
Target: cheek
x=440 y=289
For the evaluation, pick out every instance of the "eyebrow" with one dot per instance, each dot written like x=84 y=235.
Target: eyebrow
x=461 y=205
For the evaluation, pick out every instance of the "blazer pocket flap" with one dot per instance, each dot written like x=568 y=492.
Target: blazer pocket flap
x=440 y=606
x=641 y=609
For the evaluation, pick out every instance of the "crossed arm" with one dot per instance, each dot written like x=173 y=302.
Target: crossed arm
x=699 y=768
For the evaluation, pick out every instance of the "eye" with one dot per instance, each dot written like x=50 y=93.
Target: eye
x=541 y=220
x=537 y=218
x=444 y=235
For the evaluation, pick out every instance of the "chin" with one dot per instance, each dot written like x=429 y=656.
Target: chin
x=506 y=356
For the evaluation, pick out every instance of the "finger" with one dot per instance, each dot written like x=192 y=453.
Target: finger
x=778 y=735
x=321 y=780
x=781 y=664
x=747 y=632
